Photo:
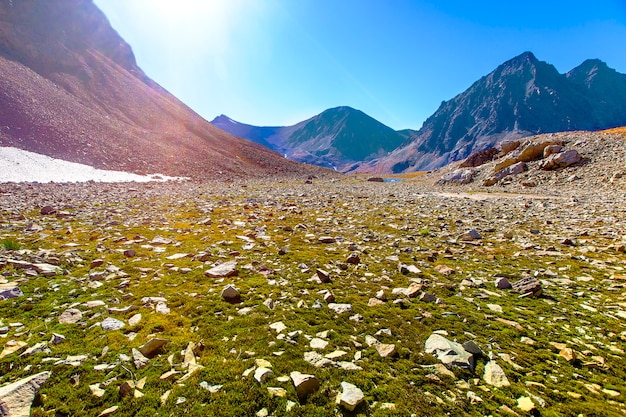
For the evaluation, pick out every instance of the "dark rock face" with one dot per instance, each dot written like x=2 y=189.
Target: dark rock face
x=335 y=138
x=522 y=97
x=71 y=89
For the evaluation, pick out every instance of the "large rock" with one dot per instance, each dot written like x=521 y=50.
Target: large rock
x=560 y=160
x=534 y=150
x=226 y=269
x=449 y=352
x=10 y=290
x=479 y=158
x=305 y=384
x=17 y=398
x=350 y=397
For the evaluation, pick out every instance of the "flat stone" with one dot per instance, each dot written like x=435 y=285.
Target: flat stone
x=112 y=324
x=494 y=375
x=525 y=404
x=152 y=347
x=70 y=316
x=317 y=343
x=10 y=290
x=340 y=308
x=386 y=350
x=17 y=398
x=261 y=374
x=226 y=269
x=138 y=359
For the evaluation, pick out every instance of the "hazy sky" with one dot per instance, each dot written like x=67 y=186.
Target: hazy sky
x=278 y=62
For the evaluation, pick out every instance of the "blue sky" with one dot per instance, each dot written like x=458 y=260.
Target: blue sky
x=278 y=62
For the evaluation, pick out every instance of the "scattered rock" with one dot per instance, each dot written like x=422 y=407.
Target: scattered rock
x=470 y=235
x=10 y=290
x=503 y=283
x=560 y=160
x=138 y=359
x=70 y=316
x=448 y=352
x=226 y=269
x=261 y=374
x=340 y=308
x=230 y=293
x=386 y=350
x=151 y=348
x=350 y=397
x=111 y=324
x=304 y=384
x=460 y=177
x=494 y=375
x=528 y=286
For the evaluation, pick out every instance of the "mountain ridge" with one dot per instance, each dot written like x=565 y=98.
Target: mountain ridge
x=336 y=138
x=71 y=89
x=521 y=97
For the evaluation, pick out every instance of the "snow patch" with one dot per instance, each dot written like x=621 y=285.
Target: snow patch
x=17 y=165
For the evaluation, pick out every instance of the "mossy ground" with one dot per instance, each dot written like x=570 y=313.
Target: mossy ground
x=386 y=224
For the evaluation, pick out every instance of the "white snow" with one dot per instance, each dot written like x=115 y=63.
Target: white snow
x=17 y=165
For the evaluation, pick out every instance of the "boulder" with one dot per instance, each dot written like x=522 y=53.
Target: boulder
x=552 y=149
x=513 y=169
x=479 y=158
x=560 y=160
x=350 y=397
x=47 y=210
x=505 y=164
x=17 y=398
x=226 y=269
x=305 y=384
x=376 y=179
x=10 y=290
x=534 y=150
x=507 y=146
x=449 y=352
x=528 y=286
x=470 y=235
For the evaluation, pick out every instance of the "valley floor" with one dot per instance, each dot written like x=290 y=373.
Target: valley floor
x=343 y=279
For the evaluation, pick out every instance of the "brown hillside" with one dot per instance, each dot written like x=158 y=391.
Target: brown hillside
x=70 y=88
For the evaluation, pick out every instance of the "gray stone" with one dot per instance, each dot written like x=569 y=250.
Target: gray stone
x=230 y=293
x=503 y=283
x=470 y=235
x=305 y=384
x=528 y=286
x=460 y=177
x=226 y=269
x=17 y=398
x=112 y=324
x=340 y=308
x=449 y=352
x=350 y=397
x=560 y=160
x=138 y=359
x=10 y=290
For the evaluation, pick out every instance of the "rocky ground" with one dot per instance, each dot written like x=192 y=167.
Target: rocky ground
x=338 y=297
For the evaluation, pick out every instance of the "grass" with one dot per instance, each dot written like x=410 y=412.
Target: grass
x=10 y=244
x=378 y=228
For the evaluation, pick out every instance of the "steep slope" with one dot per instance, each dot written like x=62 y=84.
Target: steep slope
x=71 y=89
x=337 y=137
x=523 y=96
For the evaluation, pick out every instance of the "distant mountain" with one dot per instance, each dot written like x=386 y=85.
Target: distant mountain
x=70 y=88
x=523 y=96
x=336 y=138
